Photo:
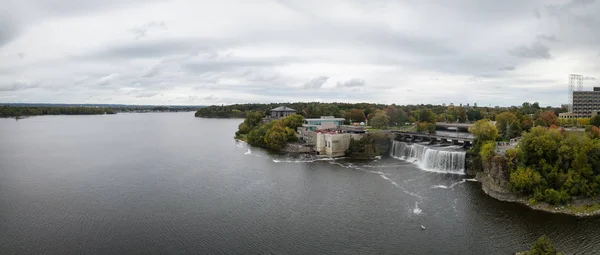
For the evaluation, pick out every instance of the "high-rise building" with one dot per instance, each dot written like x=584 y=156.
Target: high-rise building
x=585 y=104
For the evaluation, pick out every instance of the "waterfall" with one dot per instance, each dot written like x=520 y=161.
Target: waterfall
x=430 y=159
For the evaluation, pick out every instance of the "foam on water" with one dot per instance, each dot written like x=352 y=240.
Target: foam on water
x=441 y=160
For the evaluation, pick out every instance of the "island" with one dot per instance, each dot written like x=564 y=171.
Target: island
x=523 y=154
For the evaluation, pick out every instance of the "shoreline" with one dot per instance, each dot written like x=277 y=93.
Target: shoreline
x=578 y=207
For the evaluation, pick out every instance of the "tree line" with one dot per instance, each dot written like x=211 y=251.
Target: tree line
x=382 y=115
x=15 y=111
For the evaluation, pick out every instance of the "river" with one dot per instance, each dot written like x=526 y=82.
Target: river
x=171 y=183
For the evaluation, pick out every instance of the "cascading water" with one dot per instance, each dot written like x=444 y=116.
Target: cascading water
x=430 y=159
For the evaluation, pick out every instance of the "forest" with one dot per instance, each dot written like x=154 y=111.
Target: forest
x=549 y=163
x=512 y=120
x=15 y=111
x=273 y=134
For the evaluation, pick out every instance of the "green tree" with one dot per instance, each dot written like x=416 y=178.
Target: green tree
x=252 y=120
x=461 y=114
x=474 y=115
x=380 y=120
x=524 y=180
x=595 y=121
x=293 y=121
x=425 y=115
x=487 y=150
x=542 y=246
x=508 y=125
x=483 y=130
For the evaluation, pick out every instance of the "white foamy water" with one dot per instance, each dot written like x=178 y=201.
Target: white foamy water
x=429 y=158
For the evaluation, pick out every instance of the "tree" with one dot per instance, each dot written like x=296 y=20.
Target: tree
x=252 y=120
x=508 y=125
x=595 y=121
x=293 y=121
x=461 y=114
x=425 y=115
x=582 y=122
x=548 y=118
x=356 y=115
x=393 y=114
x=474 y=115
x=487 y=150
x=524 y=180
x=483 y=130
x=542 y=246
x=380 y=120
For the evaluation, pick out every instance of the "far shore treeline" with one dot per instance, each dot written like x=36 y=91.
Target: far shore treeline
x=22 y=110
x=398 y=114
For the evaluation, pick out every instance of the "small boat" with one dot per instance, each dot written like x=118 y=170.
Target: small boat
x=422 y=227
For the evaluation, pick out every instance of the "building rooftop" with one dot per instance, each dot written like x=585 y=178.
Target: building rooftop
x=282 y=109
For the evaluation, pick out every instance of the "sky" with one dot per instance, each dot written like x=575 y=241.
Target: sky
x=195 y=52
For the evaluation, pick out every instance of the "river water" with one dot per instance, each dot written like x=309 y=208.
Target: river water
x=171 y=183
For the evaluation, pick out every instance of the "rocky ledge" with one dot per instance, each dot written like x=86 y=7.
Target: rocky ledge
x=579 y=207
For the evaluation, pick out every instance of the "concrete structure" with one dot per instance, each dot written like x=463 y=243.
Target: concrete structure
x=334 y=144
x=446 y=125
x=325 y=122
x=281 y=112
x=585 y=104
x=422 y=137
x=308 y=136
x=567 y=115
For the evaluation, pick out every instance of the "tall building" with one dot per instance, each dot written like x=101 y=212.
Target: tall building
x=586 y=104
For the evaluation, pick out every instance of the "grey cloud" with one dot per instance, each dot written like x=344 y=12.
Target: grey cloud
x=316 y=82
x=108 y=79
x=575 y=3
x=351 y=83
x=507 y=68
x=146 y=94
x=157 y=49
x=153 y=71
x=141 y=31
x=549 y=38
x=77 y=7
x=537 y=50
x=20 y=85
x=8 y=29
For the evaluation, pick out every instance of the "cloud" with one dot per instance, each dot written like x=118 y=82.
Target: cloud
x=507 y=68
x=146 y=94
x=8 y=29
x=88 y=49
x=20 y=85
x=537 y=50
x=537 y=14
x=141 y=31
x=316 y=82
x=548 y=38
x=351 y=83
x=108 y=79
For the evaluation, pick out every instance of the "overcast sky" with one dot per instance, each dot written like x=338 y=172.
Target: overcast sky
x=221 y=52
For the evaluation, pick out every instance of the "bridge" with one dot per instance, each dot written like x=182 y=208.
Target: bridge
x=465 y=140
x=459 y=126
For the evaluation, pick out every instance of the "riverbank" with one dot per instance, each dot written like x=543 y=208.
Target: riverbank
x=582 y=207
